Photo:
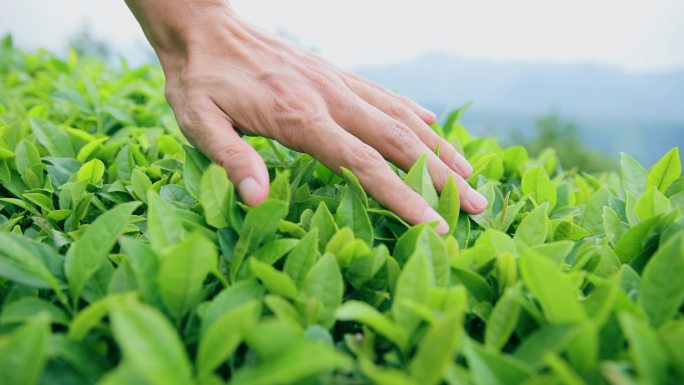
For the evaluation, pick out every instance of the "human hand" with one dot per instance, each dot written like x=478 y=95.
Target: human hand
x=224 y=77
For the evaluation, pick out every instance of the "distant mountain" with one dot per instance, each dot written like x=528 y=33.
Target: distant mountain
x=619 y=111
x=582 y=90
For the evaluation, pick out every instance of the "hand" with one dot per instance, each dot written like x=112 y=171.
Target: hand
x=224 y=78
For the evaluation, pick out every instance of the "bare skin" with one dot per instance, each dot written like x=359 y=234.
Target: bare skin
x=225 y=78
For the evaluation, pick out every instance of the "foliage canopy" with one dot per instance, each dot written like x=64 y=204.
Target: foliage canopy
x=126 y=258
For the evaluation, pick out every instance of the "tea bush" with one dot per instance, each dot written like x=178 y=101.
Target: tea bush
x=126 y=257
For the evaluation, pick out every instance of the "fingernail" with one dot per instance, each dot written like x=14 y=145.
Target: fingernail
x=249 y=190
x=465 y=166
x=478 y=200
x=428 y=114
x=430 y=215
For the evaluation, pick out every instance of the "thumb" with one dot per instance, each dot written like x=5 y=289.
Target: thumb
x=245 y=167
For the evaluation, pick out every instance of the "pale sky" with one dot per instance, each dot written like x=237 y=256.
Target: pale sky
x=636 y=35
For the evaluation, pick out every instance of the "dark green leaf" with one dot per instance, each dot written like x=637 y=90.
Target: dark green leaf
x=149 y=343
x=351 y=211
x=89 y=252
x=662 y=289
x=23 y=352
x=182 y=271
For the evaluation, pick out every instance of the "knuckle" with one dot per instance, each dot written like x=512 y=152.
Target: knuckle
x=293 y=130
x=228 y=155
x=289 y=103
x=399 y=135
x=441 y=174
x=322 y=82
x=349 y=105
x=190 y=117
x=299 y=131
x=288 y=98
x=397 y=109
x=364 y=158
x=408 y=102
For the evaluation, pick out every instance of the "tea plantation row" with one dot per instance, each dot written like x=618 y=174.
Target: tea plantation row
x=127 y=258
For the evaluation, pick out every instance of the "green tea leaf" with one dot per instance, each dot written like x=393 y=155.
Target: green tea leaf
x=672 y=337
x=141 y=183
x=261 y=223
x=29 y=164
x=630 y=244
x=221 y=339
x=274 y=280
x=364 y=313
x=612 y=224
x=182 y=270
x=665 y=171
x=592 y=217
x=534 y=227
x=145 y=265
x=89 y=318
x=438 y=348
x=477 y=286
x=302 y=257
x=87 y=255
x=553 y=289
x=217 y=197
x=20 y=262
x=193 y=168
x=662 y=291
x=503 y=319
x=413 y=284
x=514 y=159
x=648 y=354
x=653 y=202
x=536 y=183
x=164 y=225
x=324 y=284
x=632 y=175
x=419 y=179
x=351 y=211
x=449 y=204
x=271 y=338
x=230 y=298
x=553 y=338
x=55 y=140
x=91 y=172
x=23 y=352
x=149 y=343
x=325 y=223
x=301 y=361
x=283 y=310
x=280 y=187
x=271 y=252
x=24 y=308
x=490 y=368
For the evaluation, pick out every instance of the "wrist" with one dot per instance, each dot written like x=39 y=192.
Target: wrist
x=175 y=28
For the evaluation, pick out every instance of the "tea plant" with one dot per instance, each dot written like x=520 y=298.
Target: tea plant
x=127 y=258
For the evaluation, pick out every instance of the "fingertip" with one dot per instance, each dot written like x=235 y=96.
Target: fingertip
x=464 y=167
x=252 y=192
x=428 y=116
x=477 y=201
x=430 y=215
